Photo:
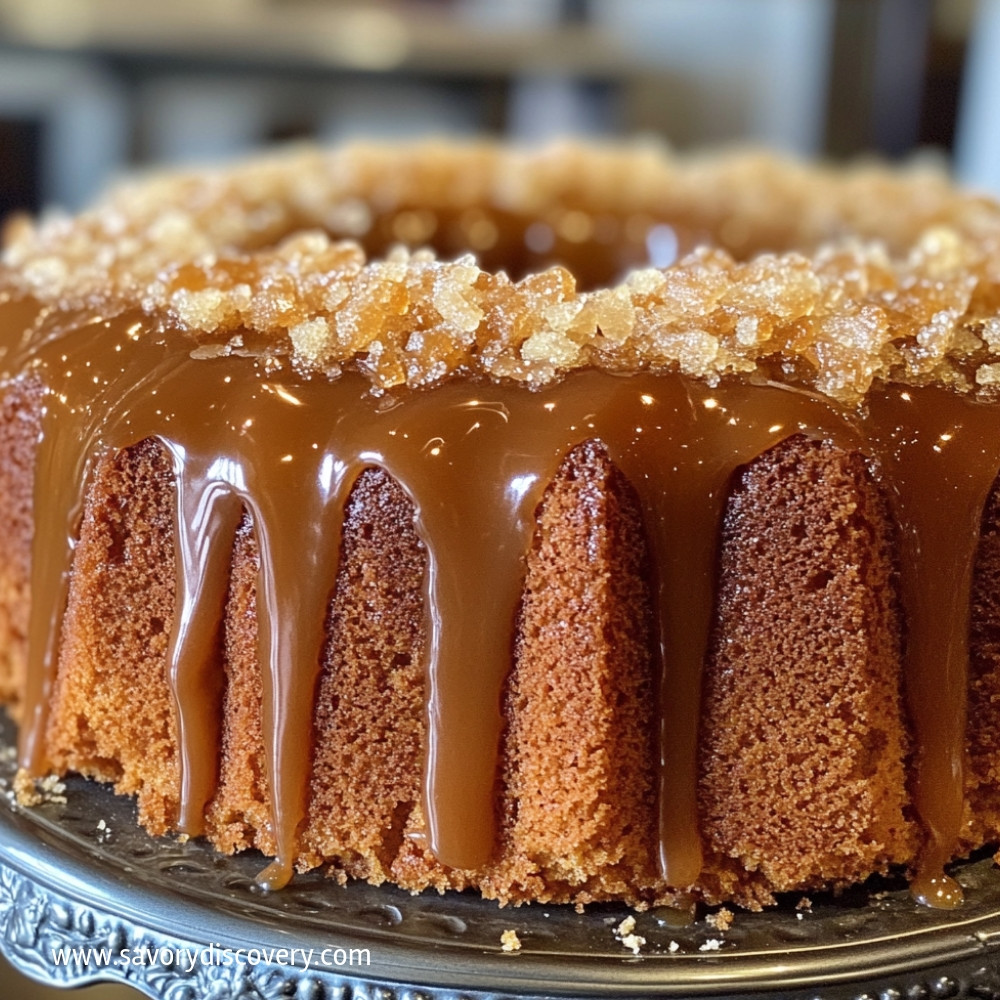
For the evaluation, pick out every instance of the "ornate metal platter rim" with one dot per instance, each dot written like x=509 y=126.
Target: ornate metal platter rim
x=60 y=871
x=156 y=910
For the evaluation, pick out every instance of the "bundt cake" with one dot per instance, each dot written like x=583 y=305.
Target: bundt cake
x=576 y=524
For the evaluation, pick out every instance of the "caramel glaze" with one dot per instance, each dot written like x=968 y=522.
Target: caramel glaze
x=475 y=458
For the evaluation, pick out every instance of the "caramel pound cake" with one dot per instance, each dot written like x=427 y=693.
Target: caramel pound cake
x=576 y=524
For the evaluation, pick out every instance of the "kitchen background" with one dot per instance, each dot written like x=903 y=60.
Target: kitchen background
x=91 y=88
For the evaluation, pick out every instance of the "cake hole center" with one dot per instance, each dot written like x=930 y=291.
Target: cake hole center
x=598 y=248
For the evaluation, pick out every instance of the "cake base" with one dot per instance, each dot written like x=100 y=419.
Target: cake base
x=67 y=879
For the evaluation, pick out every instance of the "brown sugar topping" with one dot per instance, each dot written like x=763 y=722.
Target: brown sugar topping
x=416 y=262
x=183 y=310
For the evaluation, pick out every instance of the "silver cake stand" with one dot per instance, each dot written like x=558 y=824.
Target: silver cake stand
x=86 y=896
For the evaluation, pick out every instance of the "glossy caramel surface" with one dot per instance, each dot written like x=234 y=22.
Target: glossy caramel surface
x=474 y=456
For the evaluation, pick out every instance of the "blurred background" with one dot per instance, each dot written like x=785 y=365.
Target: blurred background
x=91 y=88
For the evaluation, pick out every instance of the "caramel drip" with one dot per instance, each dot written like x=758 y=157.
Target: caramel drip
x=205 y=522
x=681 y=446
x=475 y=458
x=62 y=467
x=225 y=435
x=938 y=454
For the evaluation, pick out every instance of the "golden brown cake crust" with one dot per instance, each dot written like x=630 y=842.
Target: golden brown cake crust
x=802 y=703
x=112 y=716
x=982 y=776
x=579 y=746
x=19 y=430
x=369 y=725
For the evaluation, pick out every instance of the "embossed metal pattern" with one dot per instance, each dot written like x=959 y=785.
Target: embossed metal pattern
x=79 y=874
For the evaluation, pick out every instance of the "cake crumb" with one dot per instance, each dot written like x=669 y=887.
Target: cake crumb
x=805 y=903
x=509 y=941
x=721 y=921
x=25 y=789
x=673 y=947
x=30 y=791
x=625 y=932
x=52 y=789
x=633 y=942
x=712 y=944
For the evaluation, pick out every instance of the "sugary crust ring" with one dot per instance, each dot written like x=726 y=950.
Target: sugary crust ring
x=834 y=278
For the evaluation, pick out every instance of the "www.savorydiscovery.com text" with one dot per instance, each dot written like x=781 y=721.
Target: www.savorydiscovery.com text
x=189 y=959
